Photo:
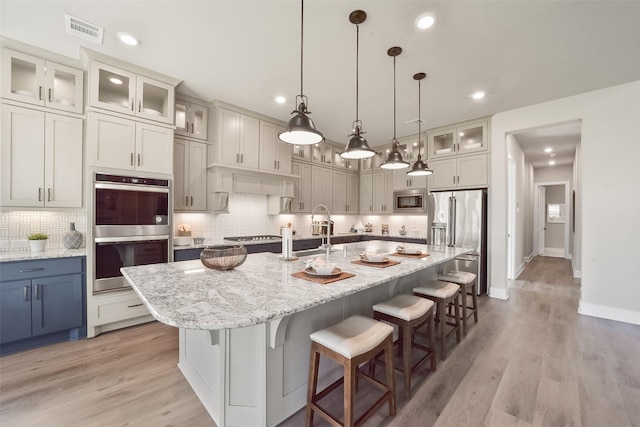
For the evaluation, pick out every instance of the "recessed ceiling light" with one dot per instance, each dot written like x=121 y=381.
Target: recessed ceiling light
x=426 y=20
x=548 y=150
x=478 y=95
x=281 y=99
x=115 y=80
x=461 y=133
x=552 y=155
x=552 y=162
x=128 y=39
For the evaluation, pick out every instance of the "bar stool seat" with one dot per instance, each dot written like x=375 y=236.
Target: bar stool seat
x=443 y=294
x=350 y=343
x=409 y=312
x=468 y=285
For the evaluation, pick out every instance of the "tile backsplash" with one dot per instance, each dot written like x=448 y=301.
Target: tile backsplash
x=16 y=225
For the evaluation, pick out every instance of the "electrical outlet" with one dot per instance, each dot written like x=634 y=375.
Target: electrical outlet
x=19 y=244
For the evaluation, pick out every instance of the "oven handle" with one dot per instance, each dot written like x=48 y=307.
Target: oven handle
x=126 y=187
x=130 y=238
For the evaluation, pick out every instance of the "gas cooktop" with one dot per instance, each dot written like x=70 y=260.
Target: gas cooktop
x=258 y=238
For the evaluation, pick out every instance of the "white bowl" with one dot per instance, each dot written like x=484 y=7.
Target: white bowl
x=325 y=269
x=377 y=257
x=410 y=251
x=181 y=240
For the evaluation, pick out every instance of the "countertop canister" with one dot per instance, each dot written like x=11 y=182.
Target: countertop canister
x=73 y=238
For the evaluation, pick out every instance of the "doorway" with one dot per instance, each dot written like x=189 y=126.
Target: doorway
x=552 y=219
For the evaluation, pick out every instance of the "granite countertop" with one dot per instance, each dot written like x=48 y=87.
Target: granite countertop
x=25 y=255
x=188 y=295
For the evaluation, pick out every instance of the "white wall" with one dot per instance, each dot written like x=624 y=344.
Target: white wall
x=576 y=259
x=609 y=152
x=554 y=174
x=529 y=210
x=554 y=233
x=522 y=192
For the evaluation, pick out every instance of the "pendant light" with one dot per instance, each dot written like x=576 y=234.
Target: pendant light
x=394 y=159
x=357 y=147
x=419 y=168
x=300 y=129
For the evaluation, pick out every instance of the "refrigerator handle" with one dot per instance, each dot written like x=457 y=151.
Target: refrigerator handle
x=452 y=220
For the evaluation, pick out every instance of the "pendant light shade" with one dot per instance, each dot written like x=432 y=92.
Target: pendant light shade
x=357 y=147
x=419 y=168
x=300 y=129
x=394 y=159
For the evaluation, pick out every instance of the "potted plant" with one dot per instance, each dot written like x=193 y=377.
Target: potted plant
x=37 y=241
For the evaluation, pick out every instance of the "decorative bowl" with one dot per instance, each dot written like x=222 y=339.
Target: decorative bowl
x=198 y=240
x=325 y=269
x=223 y=257
x=181 y=241
x=374 y=256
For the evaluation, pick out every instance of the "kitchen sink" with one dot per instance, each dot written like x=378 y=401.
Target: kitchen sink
x=314 y=251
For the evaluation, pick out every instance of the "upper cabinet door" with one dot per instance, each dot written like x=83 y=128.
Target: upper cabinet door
x=199 y=121
x=35 y=81
x=442 y=143
x=155 y=100
x=112 y=88
x=63 y=161
x=465 y=138
x=472 y=138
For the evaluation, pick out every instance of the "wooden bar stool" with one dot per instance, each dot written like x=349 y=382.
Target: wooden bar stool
x=467 y=282
x=443 y=294
x=409 y=312
x=350 y=343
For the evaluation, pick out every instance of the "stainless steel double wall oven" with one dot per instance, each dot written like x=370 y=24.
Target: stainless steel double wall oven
x=131 y=226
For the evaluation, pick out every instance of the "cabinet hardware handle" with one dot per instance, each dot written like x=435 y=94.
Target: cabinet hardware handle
x=40 y=93
x=454 y=179
x=237 y=157
x=131 y=159
x=133 y=106
x=275 y=164
x=48 y=194
x=191 y=127
x=26 y=293
x=29 y=270
x=37 y=296
x=139 y=159
x=186 y=127
x=140 y=106
x=302 y=205
x=186 y=200
x=458 y=179
x=191 y=200
x=241 y=158
x=39 y=194
x=278 y=164
x=50 y=95
x=134 y=305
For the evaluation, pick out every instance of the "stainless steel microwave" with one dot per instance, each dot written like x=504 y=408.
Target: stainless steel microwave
x=410 y=202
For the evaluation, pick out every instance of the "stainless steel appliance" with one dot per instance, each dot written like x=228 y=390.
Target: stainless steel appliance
x=459 y=218
x=410 y=201
x=130 y=226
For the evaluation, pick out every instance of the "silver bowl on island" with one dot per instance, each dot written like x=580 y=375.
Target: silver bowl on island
x=223 y=257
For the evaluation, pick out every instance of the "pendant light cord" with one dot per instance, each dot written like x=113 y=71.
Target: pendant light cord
x=301 y=46
x=419 y=118
x=395 y=141
x=357 y=67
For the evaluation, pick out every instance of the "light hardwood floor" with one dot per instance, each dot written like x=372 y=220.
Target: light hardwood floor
x=530 y=361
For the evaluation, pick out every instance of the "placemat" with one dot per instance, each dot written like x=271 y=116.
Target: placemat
x=376 y=264
x=322 y=280
x=410 y=255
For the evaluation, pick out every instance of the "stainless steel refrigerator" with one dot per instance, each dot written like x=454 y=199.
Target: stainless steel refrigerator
x=459 y=219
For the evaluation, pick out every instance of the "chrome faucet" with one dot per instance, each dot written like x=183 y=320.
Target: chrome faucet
x=328 y=225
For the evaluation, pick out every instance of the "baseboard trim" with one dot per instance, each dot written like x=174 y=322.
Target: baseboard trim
x=554 y=252
x=611 y=313
x=519 y=270
x=577 y=274
x=498 y=293
x=529 y=257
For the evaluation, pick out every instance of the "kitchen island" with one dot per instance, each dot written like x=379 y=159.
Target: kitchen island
x=244 y=333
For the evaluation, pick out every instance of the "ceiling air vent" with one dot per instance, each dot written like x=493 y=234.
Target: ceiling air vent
x=414 y=122
x=83 y=29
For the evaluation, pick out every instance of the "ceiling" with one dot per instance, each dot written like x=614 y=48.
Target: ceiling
x=247 y=52
x=561 y=138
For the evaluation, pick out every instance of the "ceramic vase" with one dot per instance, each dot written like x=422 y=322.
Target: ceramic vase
x=37 y=245
x=73 y=238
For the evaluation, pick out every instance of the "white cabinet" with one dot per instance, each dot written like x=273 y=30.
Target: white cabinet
x=339 y=162
x=322 y=153
x=460 y=172
x=190 y=174
x=191 y=120
x=383 y=192
x=366 y=193
x=119 y=143
x=301 y=202
x=122 y=91
x=345 y=192
x=301 y=152
x=36 y=81
x=322 y=187
x=402 y=181
x=462 y=139
x=41 y=159
x=275 y=155
x=237 y=139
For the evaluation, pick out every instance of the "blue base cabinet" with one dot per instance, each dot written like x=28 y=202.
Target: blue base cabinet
x=41 y=302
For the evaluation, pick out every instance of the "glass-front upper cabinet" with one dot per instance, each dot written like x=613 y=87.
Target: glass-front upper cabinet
x=340 y=162
x=191 y=120
x=125 y=92
x=465 y=138
x=373 y=163
x=36 y=81
x=322 y=153
x=301 y=152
